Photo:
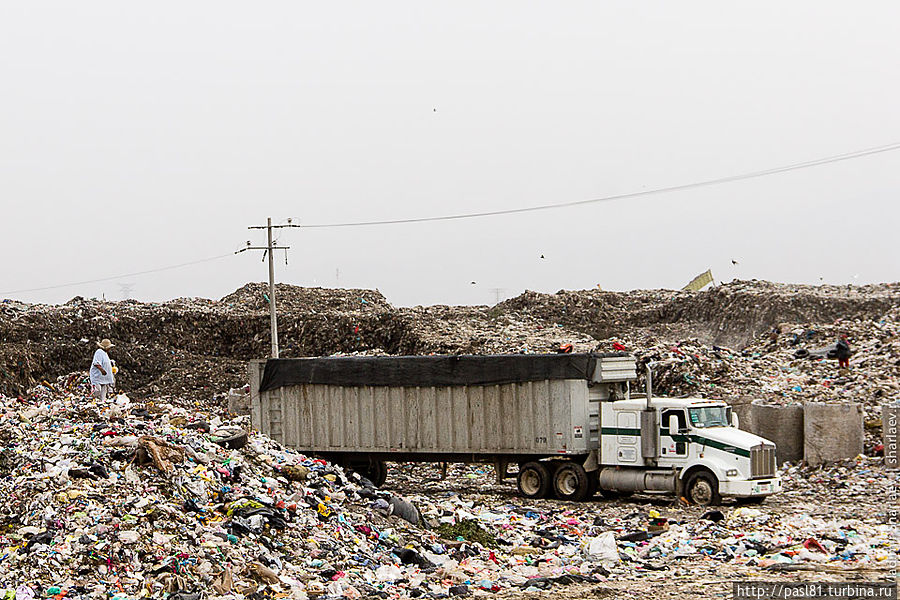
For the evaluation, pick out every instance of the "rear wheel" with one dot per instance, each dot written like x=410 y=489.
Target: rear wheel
x=377 y=472
x=571 y=482
x=374 y=470
x=702 y=489
x=533 y=480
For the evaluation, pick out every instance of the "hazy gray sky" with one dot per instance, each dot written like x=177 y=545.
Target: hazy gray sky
x=139 y=136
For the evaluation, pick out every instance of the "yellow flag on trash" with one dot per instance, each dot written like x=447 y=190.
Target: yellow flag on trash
x=699 y=281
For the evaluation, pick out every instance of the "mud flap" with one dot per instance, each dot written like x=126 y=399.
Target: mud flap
x=591 y=464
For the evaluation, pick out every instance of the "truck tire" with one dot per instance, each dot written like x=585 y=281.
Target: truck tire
x=702 y=489
x=233 y=438
x=571 y=482
x=533 y=480
x=376 y=472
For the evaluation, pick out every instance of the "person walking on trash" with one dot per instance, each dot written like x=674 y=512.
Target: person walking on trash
x=102 y=377
x=842 y=352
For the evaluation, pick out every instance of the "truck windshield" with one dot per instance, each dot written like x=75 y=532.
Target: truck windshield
x=709 y=416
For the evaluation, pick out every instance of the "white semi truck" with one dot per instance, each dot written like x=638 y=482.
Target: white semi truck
x=567 y=420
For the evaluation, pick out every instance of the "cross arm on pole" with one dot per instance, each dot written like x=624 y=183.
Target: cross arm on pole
x=262 y=248
x=282 y=226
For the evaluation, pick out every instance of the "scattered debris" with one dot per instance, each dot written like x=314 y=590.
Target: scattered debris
x=163 y=493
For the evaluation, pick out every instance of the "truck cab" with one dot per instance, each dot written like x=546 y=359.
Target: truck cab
x=690 y=446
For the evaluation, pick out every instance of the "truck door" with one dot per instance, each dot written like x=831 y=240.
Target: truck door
x=673 y=444
x=627 y=437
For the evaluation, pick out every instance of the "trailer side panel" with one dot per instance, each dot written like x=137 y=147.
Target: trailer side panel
x=548 y=417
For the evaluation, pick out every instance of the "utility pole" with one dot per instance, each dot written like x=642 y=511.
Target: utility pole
x=269 y=250
x=126 y=289
x=498 y=292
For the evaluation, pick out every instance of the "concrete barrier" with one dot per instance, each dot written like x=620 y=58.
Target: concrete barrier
x=782 y=425
x=832 y=432
x=238 y=401
x=890 y=414
x=741 y=408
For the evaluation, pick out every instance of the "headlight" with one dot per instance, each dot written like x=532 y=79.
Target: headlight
x=731 y=473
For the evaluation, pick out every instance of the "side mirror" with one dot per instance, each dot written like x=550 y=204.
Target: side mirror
x=735 y=422
x=673 y=424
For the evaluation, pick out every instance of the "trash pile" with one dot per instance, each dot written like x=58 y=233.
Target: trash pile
x=479 y=330
x=255 y=297
x=731 y=314
x=189 y=347
x=162 y=499
x=192 y=347
x=783 y=366
x=130 y=500
x=828 y=519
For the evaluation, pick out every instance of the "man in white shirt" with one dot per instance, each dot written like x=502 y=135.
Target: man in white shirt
x=102 y=378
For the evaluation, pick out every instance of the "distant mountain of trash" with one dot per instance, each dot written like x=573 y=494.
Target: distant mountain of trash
x=197 y=347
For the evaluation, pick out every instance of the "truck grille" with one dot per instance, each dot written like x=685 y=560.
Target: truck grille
x=762 y=461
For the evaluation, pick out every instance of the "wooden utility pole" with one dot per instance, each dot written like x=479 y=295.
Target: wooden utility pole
x=269 y=250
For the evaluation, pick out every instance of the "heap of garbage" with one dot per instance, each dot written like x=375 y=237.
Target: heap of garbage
x=187 y=347
x=731 y=314
x=790 y=364
x=193 y=347
x=171 y=499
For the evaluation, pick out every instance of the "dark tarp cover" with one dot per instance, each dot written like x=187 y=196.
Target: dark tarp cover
x=426 y=370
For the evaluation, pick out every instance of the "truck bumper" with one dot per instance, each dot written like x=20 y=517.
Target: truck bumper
x=753 y=487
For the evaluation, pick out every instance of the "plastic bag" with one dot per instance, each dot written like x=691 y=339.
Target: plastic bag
x=603 y=548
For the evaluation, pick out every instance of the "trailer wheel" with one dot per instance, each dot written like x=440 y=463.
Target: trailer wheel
x=533 y=480
x=377 y=472
x=571 y=482
x=702 y=489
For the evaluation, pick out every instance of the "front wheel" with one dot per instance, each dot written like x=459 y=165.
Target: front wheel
x=702 y=489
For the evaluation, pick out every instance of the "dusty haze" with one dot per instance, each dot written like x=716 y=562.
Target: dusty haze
x=136 y=137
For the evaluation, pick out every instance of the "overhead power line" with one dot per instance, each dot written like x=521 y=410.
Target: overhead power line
x=663 y=190
x=675 y=188
x=123 y=275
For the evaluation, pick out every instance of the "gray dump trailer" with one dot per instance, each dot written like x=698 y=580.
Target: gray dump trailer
x=502 y=409
x=567 y=420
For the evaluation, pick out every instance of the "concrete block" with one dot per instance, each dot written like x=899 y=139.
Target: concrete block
x=741 y=408
x=238 y=401
x=782 y=425
x=832 y=432
x=890 y=414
